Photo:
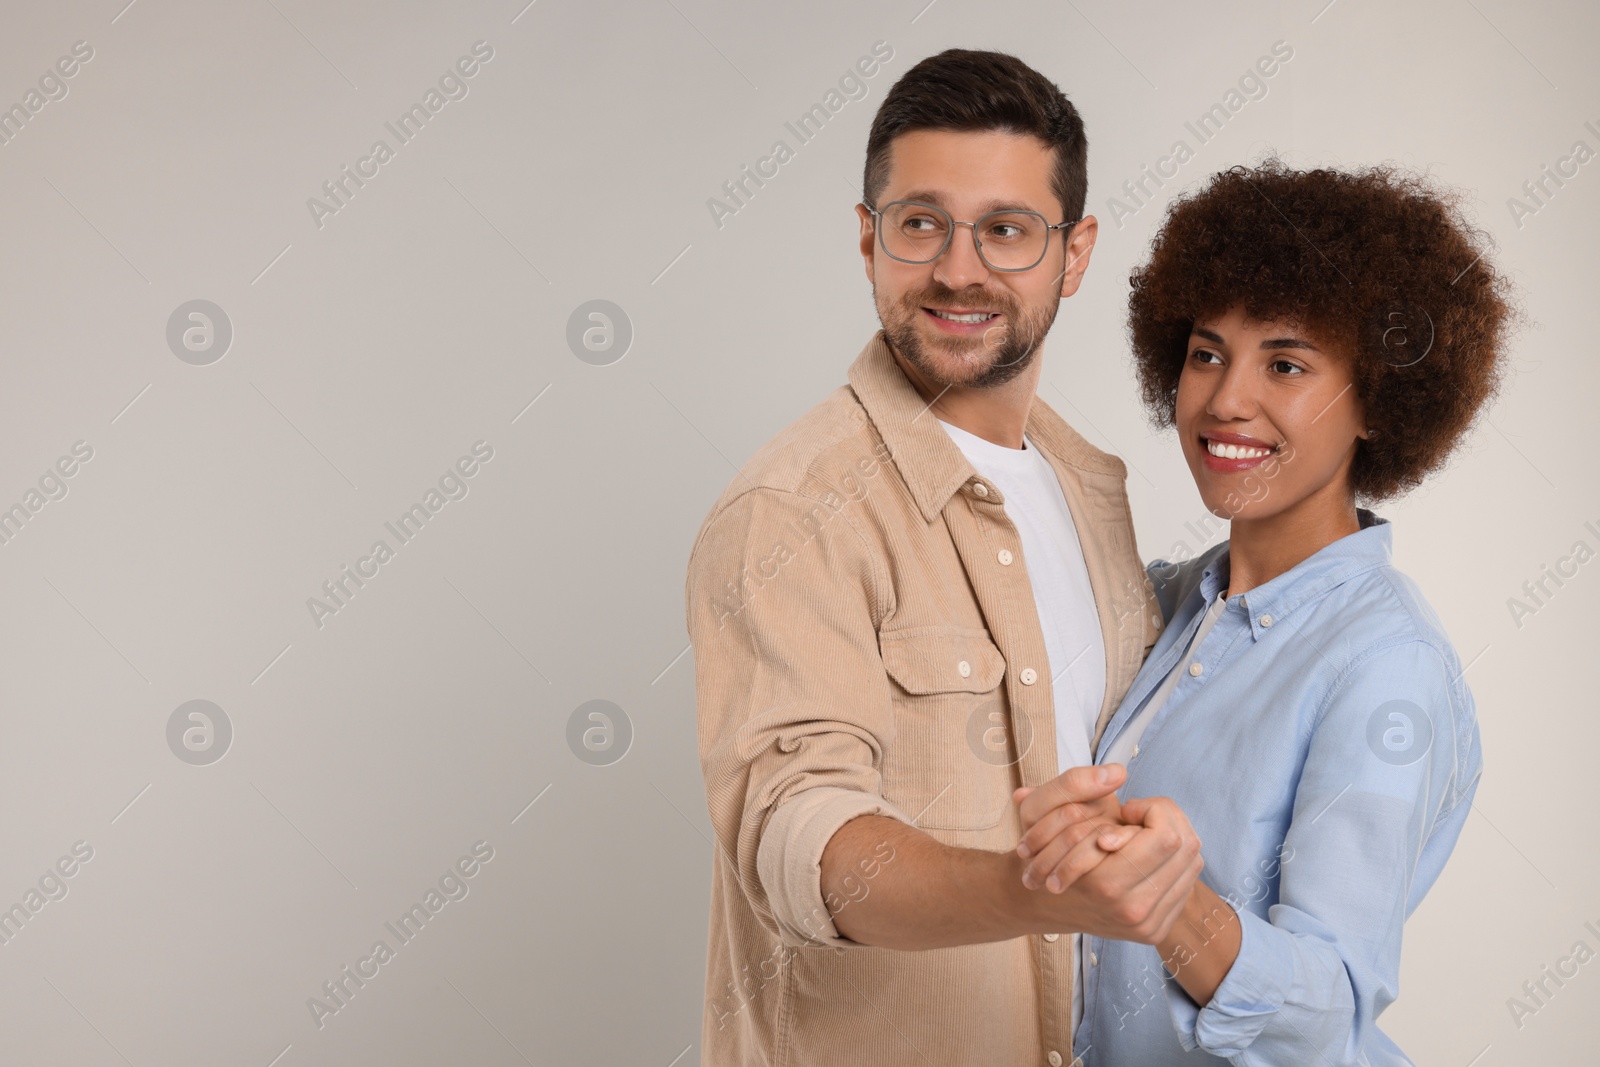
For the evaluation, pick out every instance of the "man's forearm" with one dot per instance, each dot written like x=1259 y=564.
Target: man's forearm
x=930 y=895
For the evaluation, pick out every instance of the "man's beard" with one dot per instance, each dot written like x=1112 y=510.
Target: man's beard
x=986 y=360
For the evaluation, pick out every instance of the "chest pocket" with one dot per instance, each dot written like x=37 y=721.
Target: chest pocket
x=949 y=765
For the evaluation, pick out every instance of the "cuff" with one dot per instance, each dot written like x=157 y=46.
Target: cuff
x=1251 y=993
x=789 y=859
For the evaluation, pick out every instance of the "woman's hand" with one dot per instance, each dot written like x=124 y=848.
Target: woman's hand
x=1070 y=824
x=1068 y=833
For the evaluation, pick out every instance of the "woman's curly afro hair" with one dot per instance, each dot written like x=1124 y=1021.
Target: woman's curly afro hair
x=1375 y=263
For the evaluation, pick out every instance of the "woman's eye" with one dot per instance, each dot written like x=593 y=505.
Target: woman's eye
x=1204 y=355
x=1283 y=366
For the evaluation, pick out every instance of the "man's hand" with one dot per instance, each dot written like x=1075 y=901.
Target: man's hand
x=1123 y=872
x=935 y=895
x=1061 y=815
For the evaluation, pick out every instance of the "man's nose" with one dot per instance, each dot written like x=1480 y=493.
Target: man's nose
x=960 y=265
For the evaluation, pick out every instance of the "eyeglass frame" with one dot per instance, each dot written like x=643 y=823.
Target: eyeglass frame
x=977 y=245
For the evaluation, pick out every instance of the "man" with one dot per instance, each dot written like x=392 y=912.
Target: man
x=920 y=597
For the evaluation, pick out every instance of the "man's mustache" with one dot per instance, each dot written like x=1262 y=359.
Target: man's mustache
x=994 y=338
x=944 y=296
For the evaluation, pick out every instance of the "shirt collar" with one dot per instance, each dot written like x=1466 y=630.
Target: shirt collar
x=1272 y=602
x=933 y=465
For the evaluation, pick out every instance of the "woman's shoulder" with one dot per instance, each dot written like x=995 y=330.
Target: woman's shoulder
x=1382 y=647
x=1382 y=607
x=1394 y=681
x=1175 y=580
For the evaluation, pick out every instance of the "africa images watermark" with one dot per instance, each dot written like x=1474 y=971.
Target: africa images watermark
x=736 y=596
x=53 y=485
x=52 y=886
x=340 y=190
x=453 y=885
x=745 y=989
x=453 y=485
x=52 y=86
x=1252 y=85
x=852 y=86
x=1536 y=992
x=1256 y=889
x=1537 y=592
x=1541 y=190
x=1204 y=531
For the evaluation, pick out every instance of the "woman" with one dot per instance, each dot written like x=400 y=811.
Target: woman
x=1318 y=339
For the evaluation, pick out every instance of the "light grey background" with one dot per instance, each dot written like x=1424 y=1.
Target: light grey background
x=431 y=312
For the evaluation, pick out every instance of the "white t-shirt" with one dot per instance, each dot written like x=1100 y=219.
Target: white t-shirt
x=1062 y=596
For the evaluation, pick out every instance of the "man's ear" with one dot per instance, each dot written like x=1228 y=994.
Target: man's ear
x=868 y=238
x=1080 y=242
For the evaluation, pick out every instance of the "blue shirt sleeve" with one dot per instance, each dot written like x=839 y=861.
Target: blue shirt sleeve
x=1392 y=763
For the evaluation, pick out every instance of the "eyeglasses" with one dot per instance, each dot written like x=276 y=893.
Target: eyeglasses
x=914 y=232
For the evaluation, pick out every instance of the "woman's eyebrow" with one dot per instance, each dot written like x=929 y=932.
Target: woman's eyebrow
x=1275 y=342
x=1289 y=342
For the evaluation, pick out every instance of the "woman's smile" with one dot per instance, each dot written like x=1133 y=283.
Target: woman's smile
x=1230 y=452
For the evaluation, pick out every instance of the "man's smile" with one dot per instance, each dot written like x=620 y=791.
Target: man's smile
x=961 y=320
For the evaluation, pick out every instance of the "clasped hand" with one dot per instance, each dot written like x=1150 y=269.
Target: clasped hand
x=1131 y=866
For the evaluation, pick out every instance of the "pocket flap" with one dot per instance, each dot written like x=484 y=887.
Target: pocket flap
x=942 y=660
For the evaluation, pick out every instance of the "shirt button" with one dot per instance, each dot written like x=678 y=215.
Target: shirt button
x=1135 y=750
x=964 y=668
x=1266 y=620
x=1029 y=676
x=1052 y=937
x=980 y=488
x=1005 y=557
x=1155 y=620
x=1195 y=668
x=1054 y=1058
x=1094 y=960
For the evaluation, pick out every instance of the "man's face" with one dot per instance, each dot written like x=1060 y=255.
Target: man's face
x=969 y=174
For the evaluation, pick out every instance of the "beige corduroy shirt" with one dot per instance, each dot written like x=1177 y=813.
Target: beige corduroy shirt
x=865 y=641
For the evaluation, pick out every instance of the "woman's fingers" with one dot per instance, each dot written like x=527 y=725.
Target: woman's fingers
x=1054 y=851
x=1084 y=856
x=1056 y=820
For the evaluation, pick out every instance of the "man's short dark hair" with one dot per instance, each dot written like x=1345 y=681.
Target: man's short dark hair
x=962 y=89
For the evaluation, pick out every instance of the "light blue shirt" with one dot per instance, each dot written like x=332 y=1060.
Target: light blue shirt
x=1325 y=748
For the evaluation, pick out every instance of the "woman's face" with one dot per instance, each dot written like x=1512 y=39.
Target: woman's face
x=1268 y=417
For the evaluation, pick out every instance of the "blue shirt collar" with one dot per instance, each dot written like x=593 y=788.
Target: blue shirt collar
x=1272 y=602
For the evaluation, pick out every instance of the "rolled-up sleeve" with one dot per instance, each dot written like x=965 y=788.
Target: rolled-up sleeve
x=793 y=705
x=1388 y=779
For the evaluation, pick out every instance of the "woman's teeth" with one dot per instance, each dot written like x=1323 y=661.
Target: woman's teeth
x=976 y=316
x=1222 y=451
